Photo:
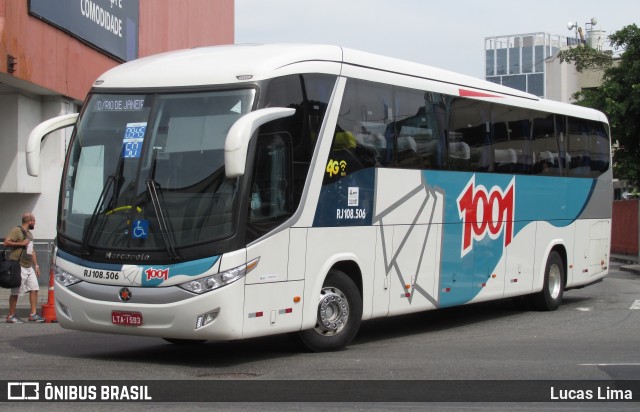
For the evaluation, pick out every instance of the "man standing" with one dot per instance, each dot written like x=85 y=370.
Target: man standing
x=21 y=240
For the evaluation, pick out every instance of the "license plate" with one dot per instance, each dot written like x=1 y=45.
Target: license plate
x=126 y=318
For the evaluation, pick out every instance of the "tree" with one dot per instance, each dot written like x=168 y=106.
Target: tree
x=618 y=96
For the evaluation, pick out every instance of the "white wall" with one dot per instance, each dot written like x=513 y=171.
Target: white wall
x=19 y=192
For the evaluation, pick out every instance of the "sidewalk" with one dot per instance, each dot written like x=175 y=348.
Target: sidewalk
x=22 y=309
x=631 y=268
x=631 y=263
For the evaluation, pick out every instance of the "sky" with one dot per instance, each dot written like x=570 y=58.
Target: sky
x=447 y=34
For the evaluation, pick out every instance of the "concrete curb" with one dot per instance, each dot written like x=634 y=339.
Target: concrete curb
x=631 y=268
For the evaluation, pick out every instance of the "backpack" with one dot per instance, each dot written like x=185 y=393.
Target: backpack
x=10 y=271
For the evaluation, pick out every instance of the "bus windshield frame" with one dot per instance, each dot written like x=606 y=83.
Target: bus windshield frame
x=145 y=172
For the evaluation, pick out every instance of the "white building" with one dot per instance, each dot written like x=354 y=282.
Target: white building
x=529 y=62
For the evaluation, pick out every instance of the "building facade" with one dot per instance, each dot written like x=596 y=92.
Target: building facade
x=51 y=52
x=528 y=62
x=518 y=60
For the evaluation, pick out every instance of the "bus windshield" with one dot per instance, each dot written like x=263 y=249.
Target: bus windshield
x=146 y=171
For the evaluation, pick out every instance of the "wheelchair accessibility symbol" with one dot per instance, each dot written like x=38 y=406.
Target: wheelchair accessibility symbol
x=140 y=229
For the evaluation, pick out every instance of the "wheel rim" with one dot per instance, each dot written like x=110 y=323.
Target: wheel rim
x=555 y=281
x=333 y=311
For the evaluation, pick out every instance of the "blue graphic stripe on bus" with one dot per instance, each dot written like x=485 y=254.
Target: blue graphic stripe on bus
x=471 y=199
x=483 y=213
x=146 y=275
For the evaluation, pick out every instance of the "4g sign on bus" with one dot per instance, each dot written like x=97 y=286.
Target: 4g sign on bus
x=486 y=212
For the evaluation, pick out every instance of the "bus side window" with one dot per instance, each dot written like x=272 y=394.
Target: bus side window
x=471 y=129
x=578 y=147
x=545 y=146
x=598 y=148
x=365 y=134
x=309 y=94
x=420 y=125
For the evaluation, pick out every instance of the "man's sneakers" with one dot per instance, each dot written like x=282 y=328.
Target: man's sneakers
x=35 y=318
x=13 y=319
x=32 y=318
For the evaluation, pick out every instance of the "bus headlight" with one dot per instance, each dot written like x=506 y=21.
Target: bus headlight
x=212 y=282
x=64 y=278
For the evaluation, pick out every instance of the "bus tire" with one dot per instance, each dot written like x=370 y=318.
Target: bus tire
x=185 y=342
x=550 y=297
x=338 y=317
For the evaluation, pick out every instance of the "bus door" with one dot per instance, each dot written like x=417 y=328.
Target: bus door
x=271 y=288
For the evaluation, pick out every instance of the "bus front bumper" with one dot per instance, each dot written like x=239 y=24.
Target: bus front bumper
x=182 y=319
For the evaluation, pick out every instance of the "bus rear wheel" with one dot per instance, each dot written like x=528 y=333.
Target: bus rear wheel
x=550 y=297
x=338 y=317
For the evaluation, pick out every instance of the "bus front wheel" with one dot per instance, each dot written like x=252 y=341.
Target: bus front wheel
x=338 y=317
x=550 y=297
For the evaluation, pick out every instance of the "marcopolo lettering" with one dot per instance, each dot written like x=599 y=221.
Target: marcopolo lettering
x=127 y=256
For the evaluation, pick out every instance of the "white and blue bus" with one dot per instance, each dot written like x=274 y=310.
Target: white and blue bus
x=231 y=192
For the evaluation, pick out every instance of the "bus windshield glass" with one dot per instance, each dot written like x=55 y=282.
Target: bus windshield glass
x=147 y=171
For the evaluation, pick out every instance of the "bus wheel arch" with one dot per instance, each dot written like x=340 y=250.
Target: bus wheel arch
x=339 y=310
x=555 y=281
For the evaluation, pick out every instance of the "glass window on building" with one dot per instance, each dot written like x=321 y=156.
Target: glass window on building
x=501 y=61
x=490 y=65
x=518 y=81
x=539 y=59
x=514 y=60
x=494 y=79
x=527 y=59
x=535 y=84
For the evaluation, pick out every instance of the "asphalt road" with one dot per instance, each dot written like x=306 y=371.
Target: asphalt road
x=593 y=336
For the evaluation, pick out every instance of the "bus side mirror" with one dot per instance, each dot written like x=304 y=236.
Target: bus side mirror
x=237 y=143
x=39 y=133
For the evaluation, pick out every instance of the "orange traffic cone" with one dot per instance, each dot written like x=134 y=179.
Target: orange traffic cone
x=48 y=311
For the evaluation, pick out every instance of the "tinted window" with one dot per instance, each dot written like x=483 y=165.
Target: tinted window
x=545 y=146
x=470 y=136
x=309 y=94
x=578 y=148
x=387 y=126
x=512 y=140
x=420 y=117
x=365 y=135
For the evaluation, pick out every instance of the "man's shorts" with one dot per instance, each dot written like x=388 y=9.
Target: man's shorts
x=29 y=282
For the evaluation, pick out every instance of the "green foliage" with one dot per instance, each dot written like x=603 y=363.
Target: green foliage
x=586 y=58
x=618 y=96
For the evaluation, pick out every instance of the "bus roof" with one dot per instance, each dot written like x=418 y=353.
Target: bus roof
x=237 y=64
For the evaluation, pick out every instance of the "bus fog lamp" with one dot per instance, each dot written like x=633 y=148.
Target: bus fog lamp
x=64 y=309
x=207 y=318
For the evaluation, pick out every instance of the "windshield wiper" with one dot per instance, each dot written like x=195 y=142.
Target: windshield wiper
x=165 y=231
x=158 y=207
